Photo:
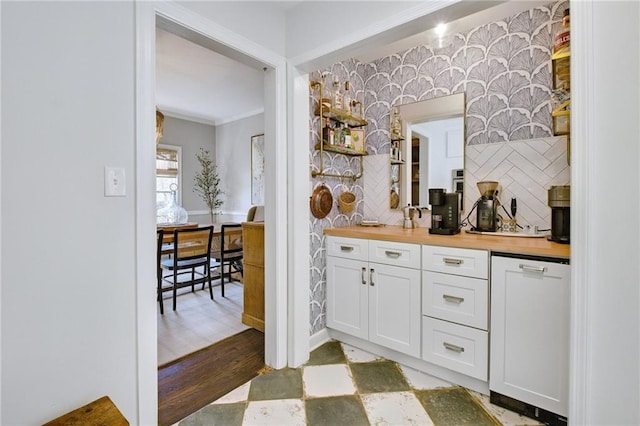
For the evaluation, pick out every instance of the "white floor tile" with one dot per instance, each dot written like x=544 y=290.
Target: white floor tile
x=396 y=408
x=282 y=412
x=419 y=380
x=327 y=380
x=354 y=354
x=239 y=394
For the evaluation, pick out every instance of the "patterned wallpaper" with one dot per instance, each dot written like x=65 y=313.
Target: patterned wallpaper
x=504 y=68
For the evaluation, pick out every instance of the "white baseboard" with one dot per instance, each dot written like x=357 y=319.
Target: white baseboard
x=319 y=339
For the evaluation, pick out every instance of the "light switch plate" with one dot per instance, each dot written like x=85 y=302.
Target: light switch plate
x=114 y=182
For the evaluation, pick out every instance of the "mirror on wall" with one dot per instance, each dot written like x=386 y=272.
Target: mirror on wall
x=432 y=149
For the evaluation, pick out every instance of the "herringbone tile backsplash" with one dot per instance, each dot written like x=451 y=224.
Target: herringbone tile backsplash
x=525 y=170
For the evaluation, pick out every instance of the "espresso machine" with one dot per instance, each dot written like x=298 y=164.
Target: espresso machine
x=487 y=207
x=559 y=199
x=445 y=211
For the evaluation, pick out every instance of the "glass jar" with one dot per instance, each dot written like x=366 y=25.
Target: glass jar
x=172 y=213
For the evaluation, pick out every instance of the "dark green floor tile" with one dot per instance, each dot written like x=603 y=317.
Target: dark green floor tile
x=336 y=411
x=219 y=414
x=329 y=353
x=454 y=406
x=277 y=384
x=379 y=376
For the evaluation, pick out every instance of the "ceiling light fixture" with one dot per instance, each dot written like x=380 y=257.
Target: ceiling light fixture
x=440 y=30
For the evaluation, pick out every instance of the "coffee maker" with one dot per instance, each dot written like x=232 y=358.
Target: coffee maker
x=487 y=213
x=559 y=199
x=445 y=211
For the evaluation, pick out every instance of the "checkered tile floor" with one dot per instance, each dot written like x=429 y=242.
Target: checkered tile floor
x=342 y=385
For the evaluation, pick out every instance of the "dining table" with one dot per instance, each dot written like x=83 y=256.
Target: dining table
x=167 y=240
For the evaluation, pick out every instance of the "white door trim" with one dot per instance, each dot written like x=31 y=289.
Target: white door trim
x=275 y=210
x=582 y=123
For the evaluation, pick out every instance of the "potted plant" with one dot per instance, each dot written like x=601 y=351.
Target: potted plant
x=207 y=182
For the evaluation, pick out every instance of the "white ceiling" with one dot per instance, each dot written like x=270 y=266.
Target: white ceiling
x=195 y=82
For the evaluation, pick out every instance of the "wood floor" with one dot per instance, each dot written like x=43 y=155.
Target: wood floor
x=191 y=382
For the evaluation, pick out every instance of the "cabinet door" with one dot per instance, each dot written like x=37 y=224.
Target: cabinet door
x=394 y=308
x=530 y=332
x=347 y=296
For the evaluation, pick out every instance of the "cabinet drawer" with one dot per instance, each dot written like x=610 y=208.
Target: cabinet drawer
x=348 y=248
x=456 y=347
x=395 y=254
x=454 y=298
x=457 y=261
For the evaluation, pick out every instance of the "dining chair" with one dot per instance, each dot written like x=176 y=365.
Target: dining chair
x=159 y=243
x=191 y=251
x=227 y=251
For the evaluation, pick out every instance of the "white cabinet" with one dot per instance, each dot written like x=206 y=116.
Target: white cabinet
x=373 y=291
x=530 y=302
x=455 y=309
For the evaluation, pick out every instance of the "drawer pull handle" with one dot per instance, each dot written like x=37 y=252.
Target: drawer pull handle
x=364 y=275
x=454 y=299
x=529 y=268
x=450 y=261
x=454 y=348
x=346 y=248
x=371 y=272
x=393 y=254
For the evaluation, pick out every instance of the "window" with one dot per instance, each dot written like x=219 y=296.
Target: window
x=168 y=171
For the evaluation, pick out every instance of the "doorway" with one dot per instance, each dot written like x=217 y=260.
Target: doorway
x=211 y=106
x=274 y=68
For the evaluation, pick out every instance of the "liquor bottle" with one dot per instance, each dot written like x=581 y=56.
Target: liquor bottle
x=336 y=102
x=396 y=130
x=562 y=43
x=346 y=98
x=346 y=137
x=327 y=133
x=562 y=39
x=339 y=135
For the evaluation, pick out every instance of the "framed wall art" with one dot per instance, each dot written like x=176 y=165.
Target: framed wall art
x=257 y=169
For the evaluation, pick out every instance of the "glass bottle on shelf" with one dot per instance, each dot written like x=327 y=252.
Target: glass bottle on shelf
x=346 y=99
x=562 y=40
x=346 y=136
x=328 y=133
x=336 y=102
x=339 y=135
x=562 y=44
x=396 y=128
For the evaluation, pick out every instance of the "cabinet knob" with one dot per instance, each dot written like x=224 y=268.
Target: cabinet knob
x=364 y=275
x=346 y=248
x=371 y=272
x=450 y=261
x=392 y=254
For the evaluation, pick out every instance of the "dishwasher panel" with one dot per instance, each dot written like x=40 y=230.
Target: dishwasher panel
x=529 y=344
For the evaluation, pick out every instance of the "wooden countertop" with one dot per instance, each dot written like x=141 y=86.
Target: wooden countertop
x=521 y=245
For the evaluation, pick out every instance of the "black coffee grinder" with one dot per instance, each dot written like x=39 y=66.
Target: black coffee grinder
x=445 y=211
x=487 y=213
x=559 y=199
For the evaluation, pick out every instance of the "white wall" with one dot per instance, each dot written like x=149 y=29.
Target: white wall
x=191 y=136
x=233 y=158
x=257 y=21
x=68 y=253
